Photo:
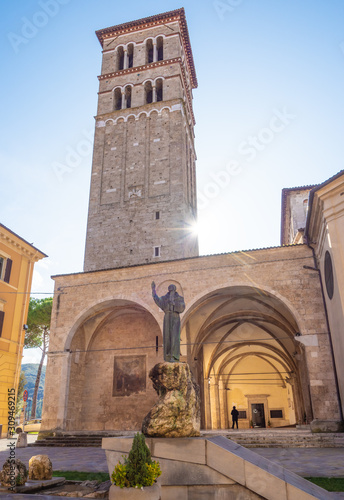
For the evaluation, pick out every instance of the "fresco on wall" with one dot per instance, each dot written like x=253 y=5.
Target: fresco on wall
x=129 y=375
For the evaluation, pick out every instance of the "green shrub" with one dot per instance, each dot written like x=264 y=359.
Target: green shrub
x=138 y=470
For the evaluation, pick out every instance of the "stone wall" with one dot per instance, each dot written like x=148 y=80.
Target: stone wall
x=114 y=309
x=143 y=184
x=326 y=234
x=141 y=167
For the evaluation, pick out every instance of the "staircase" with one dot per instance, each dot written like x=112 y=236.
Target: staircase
x=281 y=438
x=78 y=440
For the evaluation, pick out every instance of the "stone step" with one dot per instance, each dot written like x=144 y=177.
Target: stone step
x=71 y=441
x=309 y=442
x=249 y=439
x=283 y=439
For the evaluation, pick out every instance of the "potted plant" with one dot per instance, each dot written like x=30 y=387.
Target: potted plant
x=136 y=477
x=251 y=424
x=269 y=423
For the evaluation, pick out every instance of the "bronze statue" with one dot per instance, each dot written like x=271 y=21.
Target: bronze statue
x=172 y=304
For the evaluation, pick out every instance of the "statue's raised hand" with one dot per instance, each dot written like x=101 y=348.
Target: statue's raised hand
x=153 y=286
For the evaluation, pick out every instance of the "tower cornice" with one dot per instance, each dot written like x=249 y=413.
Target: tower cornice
x=152 y=21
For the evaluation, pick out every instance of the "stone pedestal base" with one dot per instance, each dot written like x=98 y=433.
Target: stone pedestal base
x=214 y=468
x=326 y=426
x=177 y=413
x=147 y=493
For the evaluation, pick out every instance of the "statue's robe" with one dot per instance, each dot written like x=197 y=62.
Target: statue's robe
x=172 y=305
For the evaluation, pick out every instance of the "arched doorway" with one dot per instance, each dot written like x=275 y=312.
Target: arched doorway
x=112 y=352
x=242 y=348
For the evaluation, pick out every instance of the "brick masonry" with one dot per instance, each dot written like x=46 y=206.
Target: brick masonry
x=144 y=157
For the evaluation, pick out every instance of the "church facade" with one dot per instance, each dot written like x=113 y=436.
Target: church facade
x=256 y=331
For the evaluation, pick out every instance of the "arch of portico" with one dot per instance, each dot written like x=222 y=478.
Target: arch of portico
x=241 y=343
x=111 y=349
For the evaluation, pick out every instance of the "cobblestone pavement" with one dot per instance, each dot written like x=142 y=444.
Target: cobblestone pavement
x=80 y=459
x=307 y=462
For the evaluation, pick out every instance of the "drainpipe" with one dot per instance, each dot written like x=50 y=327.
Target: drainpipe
x=316 y=268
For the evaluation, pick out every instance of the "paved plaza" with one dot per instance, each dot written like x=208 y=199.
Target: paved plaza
x=306 y=462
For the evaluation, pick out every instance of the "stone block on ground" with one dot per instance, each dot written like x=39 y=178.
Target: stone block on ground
x=40 y=468
x=22 y=440
x=177 y=412
x=318 y=425
x=10 y=476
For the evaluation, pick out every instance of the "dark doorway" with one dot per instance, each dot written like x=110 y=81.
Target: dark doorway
x=258 y=416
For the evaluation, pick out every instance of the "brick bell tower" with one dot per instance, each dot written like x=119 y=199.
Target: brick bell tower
x=143 y=187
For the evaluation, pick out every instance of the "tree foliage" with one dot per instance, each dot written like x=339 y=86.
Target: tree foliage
x=38 y=322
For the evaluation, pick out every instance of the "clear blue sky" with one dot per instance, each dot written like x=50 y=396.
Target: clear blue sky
x=255 y=62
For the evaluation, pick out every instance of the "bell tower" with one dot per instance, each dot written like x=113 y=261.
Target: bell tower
x=143 y=189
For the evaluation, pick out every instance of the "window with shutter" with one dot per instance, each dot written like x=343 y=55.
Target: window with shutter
x=276 y=413
x=2 y=316
x=8 y=271
x=2 y=266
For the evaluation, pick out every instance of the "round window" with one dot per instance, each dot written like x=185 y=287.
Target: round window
x=329 y=275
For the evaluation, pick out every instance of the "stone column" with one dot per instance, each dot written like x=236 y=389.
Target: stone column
x=123 y=99
x=126 y=59
x=217 y=403
x=207 y=404
x=223 y=406
x=155 y=51
x=154 y=99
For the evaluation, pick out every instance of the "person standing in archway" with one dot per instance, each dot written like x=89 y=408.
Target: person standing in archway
x=172 y=304
x=235 y=416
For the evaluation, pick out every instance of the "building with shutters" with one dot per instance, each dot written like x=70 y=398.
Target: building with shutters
x=255 y=331
x=17 y=259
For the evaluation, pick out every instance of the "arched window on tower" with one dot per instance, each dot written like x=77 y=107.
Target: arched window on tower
x=120 y=58
x=148 y=93
x=159 y=89
x=127 y=94
x=160 y=48
x=149 y=51
x=130 y=55
x=117 y=97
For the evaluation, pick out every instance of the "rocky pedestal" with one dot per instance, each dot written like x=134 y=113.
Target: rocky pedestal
x=177 y=413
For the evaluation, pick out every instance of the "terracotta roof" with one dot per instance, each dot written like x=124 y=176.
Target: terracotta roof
x=182 y=259
x=299 y=188
x=22 y=239
x=147 y=22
